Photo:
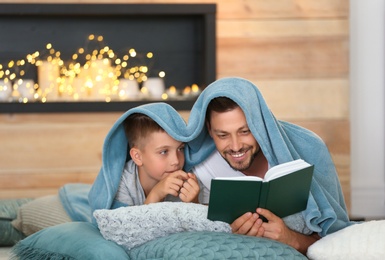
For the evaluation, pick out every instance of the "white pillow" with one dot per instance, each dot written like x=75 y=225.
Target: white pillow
x=359 y=241
x=135 y=225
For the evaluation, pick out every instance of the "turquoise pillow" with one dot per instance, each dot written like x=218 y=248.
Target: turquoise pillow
x=8 y=212
x=82 y=240
x=213 y=245
x=73 y=240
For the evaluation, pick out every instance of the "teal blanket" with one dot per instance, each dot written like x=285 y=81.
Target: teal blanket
x=280 y=142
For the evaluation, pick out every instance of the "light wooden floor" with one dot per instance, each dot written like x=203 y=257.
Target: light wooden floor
x=4 y=253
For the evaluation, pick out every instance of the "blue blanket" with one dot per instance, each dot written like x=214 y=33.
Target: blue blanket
x=280 y=142
x=115 y=151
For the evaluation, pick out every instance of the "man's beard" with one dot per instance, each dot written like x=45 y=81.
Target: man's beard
x=242 y=166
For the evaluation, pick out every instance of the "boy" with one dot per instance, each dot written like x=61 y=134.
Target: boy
x=154 y=172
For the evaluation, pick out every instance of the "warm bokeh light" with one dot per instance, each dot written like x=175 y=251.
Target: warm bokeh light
x=93 y=72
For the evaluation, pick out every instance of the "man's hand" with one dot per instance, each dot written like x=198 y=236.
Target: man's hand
x=190 y=189
x=251 y=224
x=275 y=228
x=248 y=224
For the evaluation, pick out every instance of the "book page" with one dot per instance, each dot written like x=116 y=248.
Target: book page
x=273 y=173
x=240 y=178
x=285 y=168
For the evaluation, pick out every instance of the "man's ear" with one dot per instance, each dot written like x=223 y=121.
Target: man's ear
x=208 y=126
x=136 y=156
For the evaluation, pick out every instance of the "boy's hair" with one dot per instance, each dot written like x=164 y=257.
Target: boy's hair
x=138 y=126
x=219 y=105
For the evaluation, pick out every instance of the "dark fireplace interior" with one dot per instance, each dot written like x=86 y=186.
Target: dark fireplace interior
x=180 y=36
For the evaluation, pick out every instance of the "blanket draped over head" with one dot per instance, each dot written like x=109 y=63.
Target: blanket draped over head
x=280 y=142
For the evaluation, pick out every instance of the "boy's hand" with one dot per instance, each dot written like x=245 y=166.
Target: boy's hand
x=171 y=184
x=190 y=190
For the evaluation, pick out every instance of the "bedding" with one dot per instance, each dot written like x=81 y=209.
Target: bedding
x=87 y=243
x=136 y=225
x=72 y=240
x=70 y=204
x=8 y=212
x=280 y=142
x=365 y=240
x=40 y=213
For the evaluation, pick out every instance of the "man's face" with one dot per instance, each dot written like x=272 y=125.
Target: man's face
x=233 y=138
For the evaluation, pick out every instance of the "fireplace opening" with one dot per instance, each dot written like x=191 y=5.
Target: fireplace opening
x=174 y=42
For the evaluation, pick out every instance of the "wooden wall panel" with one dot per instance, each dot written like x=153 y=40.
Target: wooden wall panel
x=295 y=51
x=306 y=99
x=274 y=28
x=284 y=58
x=40 y=153
x=246 y=9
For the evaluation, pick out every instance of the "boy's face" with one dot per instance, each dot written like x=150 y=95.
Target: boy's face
x=160 y=155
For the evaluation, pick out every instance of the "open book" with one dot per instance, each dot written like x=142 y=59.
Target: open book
x=284 y=191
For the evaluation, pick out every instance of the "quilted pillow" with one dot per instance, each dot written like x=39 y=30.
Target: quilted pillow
x=360 y=241
x=212 y=246
x=83 y=241
x=135 y=225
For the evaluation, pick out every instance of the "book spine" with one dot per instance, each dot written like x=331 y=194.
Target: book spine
x=264 y=194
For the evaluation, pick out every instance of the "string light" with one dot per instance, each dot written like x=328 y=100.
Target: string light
x=93 y=71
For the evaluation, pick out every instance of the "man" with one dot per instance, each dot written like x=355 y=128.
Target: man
x=247 y=141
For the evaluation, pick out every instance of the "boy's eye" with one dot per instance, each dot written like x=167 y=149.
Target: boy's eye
x=163 y=152
x=181 y=148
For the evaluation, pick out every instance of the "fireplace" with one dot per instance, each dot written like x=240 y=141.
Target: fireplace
x=181 y=38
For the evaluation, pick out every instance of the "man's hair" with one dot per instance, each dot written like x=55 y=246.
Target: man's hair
x=219 y=105
x=138 y=126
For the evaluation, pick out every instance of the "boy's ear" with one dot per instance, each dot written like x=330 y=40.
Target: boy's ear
x=136 y=156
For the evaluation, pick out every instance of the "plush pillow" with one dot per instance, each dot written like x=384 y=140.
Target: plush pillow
x=133 y=226
x=73 y=240
x=40 y=213
x=8 y=212
x=83 y=241
x=214 y=245
x=359 y=241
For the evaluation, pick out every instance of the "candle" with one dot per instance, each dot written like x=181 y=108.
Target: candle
x=5 y=90
x=195 y=91
x=48 y=75
x=26 y=88
x=172 y=92
x=155 y=87
x=128 y=89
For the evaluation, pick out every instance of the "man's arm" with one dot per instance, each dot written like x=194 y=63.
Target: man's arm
x=250 y=224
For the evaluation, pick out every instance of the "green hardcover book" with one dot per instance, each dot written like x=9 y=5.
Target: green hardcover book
x=284 y=191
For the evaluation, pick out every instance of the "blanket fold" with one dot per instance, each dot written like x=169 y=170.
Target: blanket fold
x=74 y=198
